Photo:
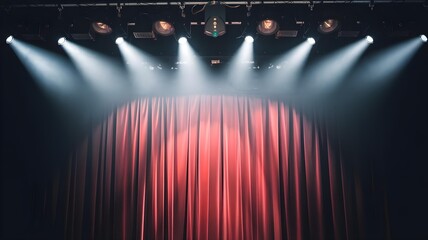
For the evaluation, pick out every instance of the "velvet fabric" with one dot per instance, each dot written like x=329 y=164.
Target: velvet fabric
x=207 y=167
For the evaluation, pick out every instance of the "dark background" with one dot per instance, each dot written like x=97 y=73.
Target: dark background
x=385 y=130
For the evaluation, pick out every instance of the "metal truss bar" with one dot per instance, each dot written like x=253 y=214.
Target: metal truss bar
x=165 y=3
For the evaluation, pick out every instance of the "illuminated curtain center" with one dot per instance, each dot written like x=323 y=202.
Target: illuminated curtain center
x=200 y=167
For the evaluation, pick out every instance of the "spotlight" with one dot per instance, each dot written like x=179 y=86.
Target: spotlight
x=267 y=27
x=328 y=26
x=215 y=15
x=369 y=39
x=163 y=28
x=424 y=38
x=119 y=40
x=182 y=40
x=249 y=39
x=101 y=28
x=61 y=41
x=311 y=40
x=9 y=39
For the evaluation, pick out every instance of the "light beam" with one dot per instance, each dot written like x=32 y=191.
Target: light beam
x=387 y=64
x=192 y=73
x=99 y=70
x=288 y=68
x=51 y=71
x=140 y=69
x=242 y=63
x=326 y=74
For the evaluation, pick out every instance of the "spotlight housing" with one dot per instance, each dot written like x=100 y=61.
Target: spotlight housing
x=328 y=26
x=311 y=40
x=119 y=40
x=61 y=41
x=267 y=27
x=249 y=39
x=101 y=28
x=182 y=40
x=424 y=38
x=369 y=39
x=215 y=15
x=163 y=28
x=9 y=39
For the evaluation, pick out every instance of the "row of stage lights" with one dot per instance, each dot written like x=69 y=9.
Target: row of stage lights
x=182 y=40
x=161 y=25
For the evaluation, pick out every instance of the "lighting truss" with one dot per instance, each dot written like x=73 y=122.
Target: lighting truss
x=172 y=3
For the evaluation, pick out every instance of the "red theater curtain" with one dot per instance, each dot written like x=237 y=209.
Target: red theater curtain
x=206 y=167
